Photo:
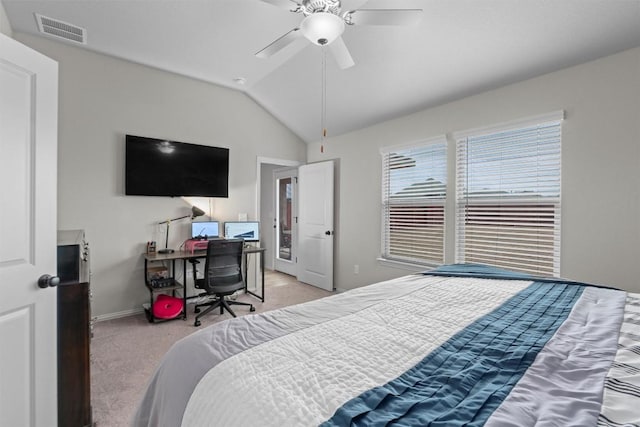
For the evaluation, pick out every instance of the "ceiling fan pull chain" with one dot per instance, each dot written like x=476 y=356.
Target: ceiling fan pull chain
x=323 y=114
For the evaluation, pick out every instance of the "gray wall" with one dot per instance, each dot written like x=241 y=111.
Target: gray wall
x=5 y=26
x=600 y=175
x=101 y=100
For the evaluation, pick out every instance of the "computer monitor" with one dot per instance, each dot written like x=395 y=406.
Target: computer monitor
x=208 y=229
x=249 y=231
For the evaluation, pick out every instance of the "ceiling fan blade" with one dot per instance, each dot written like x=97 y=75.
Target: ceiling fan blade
x=341 y=54
x=280 y=43
x=384 y=16
x=285 y=4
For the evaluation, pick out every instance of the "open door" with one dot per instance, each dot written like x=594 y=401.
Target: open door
x=315 y=225
x=28 y=171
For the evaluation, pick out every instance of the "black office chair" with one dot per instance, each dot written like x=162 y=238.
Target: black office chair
x=222 y=276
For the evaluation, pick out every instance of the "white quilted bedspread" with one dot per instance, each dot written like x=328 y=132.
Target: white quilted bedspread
x=302 y=378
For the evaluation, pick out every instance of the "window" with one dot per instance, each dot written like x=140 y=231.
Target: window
x=414 y=192
x=508 y=196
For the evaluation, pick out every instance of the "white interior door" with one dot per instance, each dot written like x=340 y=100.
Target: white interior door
x=285 y=224
x=315 y=225
x=28 y=172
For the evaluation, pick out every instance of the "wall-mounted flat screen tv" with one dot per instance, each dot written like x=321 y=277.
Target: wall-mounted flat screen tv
x=156 y=167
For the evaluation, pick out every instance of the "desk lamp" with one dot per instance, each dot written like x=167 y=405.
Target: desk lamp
x=195 y=212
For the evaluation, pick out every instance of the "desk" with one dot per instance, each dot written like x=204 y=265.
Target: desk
x=184 y=256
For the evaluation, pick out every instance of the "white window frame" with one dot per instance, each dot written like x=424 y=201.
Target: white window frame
x=402 y=255
x=499 y=216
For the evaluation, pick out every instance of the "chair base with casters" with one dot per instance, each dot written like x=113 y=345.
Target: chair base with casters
x=221 y=302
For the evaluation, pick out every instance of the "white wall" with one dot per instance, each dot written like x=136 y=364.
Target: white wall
x=101 y=100
x=600 y=175
x=5 y=26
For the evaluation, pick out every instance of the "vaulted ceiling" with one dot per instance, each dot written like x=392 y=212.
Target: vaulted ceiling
x=458 y=48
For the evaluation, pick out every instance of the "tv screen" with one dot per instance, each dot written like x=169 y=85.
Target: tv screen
x=249 y=231
x=156 y=167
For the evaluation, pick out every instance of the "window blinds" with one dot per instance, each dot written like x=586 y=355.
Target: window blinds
x=508 y=197
x=413 y=201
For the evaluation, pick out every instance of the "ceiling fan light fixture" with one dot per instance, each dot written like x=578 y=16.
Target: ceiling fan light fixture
x=322 y=28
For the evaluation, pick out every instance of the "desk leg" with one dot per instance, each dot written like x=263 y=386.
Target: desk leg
x=246 y=290
x=149 y=312
x=244 y=272
x=262 y=273
x=184 y=288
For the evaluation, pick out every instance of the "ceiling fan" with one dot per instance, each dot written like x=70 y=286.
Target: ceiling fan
x=325 y=21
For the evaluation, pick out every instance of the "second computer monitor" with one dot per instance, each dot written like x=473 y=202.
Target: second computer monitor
x=249 y=231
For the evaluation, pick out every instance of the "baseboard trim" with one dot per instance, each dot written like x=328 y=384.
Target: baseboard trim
x=119 y=314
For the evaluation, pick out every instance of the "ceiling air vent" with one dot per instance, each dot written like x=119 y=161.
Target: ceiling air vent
x=61 y=29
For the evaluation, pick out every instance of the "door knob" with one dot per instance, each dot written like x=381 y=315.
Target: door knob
x=47 y=280
x=328 y=233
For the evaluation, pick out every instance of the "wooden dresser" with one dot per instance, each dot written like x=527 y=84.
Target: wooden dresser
x=74 y=336
x=74 y=330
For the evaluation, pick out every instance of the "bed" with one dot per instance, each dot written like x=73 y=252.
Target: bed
x=460 y=345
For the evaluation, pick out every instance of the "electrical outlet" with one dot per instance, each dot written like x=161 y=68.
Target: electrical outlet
x=356 y=269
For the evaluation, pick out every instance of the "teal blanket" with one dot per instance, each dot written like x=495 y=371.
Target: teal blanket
x=466 y=379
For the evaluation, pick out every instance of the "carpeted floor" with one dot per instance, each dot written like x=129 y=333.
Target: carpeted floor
x=126 y=351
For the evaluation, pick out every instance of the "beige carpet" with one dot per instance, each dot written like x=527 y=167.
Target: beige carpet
x=126 y=351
